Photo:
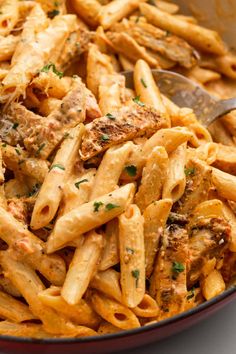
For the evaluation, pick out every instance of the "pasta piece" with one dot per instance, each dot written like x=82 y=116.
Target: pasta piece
x=29 y=284
x=213 y=285
x=110 y=255
x=30 y=248
x=115 y=11
x=130 y=122
x=88 y=10
x=50 y=193
x=115 y=313
x=132 y=258
x=202 y=38
x=82 y=268
x=9 y=16
x=108 y=282
x=224 y=183
x=89 y=216
x=231 y=218
x=174 y=185
x=168 y=283
x=7 y=46
x=110 y=169
x=220 y=134
x=166 y=6
x=111 y=93
x=126 y=63
x=98 y=65
x=208 y=152
x=155 y=217
x=31 y=330
x=224 y=64
x=81 y=313
x=226 y=159
x=153 y=178
x=147 y=307
x=107 y=328
x=146 y=87
x=14 y=310
x=203 y=76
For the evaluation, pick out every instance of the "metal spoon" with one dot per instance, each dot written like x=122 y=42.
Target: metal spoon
x=186 y=93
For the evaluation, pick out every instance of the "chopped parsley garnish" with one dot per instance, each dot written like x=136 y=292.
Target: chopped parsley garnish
x=189 y=171
x=131 y=170
x=20 y=162
x=191 y=295
x=53 y=13
x=96 y=206
x=17 y=151
x=56 y=3
x=110 y=116
x=15 y=125
x=35 y=189
x=57 y=165
x=143 y=83
x=137 y=100
x=177 y=268
x=4 y=145
x=111 y=206
x=129 y=250
x=77 y=184
x=39 y=149
x=105 y=137
x=47 y=68
x=136 y=273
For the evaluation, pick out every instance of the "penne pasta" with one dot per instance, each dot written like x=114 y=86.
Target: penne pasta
x=108 y=282
x=110 y=254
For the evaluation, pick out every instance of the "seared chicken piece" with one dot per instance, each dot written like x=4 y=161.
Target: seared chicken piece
x=127 y=124
x=226 y=159
x=208 y=238
x=170 y=271
x=197 y=186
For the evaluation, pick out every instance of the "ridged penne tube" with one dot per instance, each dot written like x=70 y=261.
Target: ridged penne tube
x=153 y=178
x=174 y=185
x=224 y=64
x=111 y=93
x=115 y=11
x=76 y=191
x=202 y=38
x=80 y=313
x=22 y=72
x=89 y=216
x=110 y=254
x=14 y=310
x=126 y=63
x=7 y=286
x=203 y=76
x=209 y=209
x=146 y=87
x=7 y=46
x=147 y=307
x=109 y=170
x=29 y=285
x=155 y=216
x=114 y=312
x=98 y=65
x=88 y=10
x=82 y=268
x=18 y=160
x=108 y=282
x=231 y=218
x=224 y=183
x=166 y=6
x=132 y=258
x=208 y=152
x=202 y=134
x=31 y=330
x=220 y=134
x=226 y=158
x=9 y=16
x=212 y=285
x=3 y=201
x=31 y=249
x=50 y=193
x=106 y=328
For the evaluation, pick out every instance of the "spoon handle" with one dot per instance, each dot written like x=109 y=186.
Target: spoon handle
x=219 y=109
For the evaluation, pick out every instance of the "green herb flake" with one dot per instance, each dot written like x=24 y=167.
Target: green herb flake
x=129 y=250
x=47 y=68
x=131 y=170
x=39 y=149
x=57 y=165
x=77 y=184
x=177 y=268
x=137 y=19
x=136 y=273
x=143 y=83
x=110 y=116
x=189 y=171
x=137 y=100
x=4 y=145
x=21 y=162
x=17 y=151
x=96 y=206
x=191 y=294
x=56 y=3
x=35 y=190
x=105 y=137
x=111 y=206
x=53 y=13
x=15 y=125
